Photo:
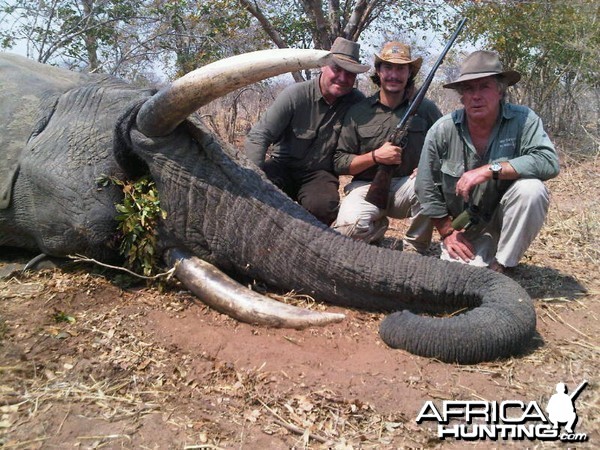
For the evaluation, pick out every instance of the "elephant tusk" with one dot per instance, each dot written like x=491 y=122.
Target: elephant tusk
x=227 y=296
x=165 y=110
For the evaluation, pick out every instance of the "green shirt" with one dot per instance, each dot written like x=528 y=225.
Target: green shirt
x=301 y=127
x=518 y=137
x=369 y=124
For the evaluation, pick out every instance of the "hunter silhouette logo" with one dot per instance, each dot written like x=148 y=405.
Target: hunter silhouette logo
x=561 y=407
x=509 y=419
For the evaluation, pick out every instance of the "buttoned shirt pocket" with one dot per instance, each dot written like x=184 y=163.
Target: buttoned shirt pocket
x=417 y=125
x=304 y=138
x=412 y=145
x=369 y=136
x=451 y=172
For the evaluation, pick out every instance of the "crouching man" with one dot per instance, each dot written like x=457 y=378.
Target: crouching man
x=489 y=158
x=363 y=145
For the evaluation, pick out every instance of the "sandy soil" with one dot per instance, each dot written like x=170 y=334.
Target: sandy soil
x=86 y=362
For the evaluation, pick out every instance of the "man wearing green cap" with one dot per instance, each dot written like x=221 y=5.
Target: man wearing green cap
x=302 y=127
x=486 y=163
x=363 y=144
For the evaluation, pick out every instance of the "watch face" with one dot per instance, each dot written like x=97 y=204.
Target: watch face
x=496 y=168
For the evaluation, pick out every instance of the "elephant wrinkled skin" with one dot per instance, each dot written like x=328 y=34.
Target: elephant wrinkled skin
x=61 y=131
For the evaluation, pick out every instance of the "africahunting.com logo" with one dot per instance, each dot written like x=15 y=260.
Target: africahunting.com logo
x=510 y=419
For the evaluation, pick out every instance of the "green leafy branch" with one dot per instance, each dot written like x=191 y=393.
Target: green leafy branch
x=138 y=218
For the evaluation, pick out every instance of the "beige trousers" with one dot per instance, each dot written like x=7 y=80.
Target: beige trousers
x=361 y=220
x=514 y=225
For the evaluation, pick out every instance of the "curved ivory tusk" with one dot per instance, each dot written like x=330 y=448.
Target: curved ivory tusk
x=225 y=295
x=171 y=105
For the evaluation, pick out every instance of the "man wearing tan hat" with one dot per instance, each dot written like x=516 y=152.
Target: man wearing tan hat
x=363 y=144
x=487 y=161
x=303 y=126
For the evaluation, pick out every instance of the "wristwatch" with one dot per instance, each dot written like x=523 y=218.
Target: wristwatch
x=496 y=168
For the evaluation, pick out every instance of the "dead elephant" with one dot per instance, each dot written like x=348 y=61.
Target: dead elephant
x=62 y=130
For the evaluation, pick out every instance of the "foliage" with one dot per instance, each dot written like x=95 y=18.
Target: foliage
x=316 y=24
x=313 y=23
x=138 y=218
x=554 y=44
x=127 y=37
x=85 y=32
x=193 y=33
x=63 y=317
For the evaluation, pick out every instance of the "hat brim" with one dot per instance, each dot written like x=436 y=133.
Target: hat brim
x=349 y=65
x=510 y=76
x=414 y=63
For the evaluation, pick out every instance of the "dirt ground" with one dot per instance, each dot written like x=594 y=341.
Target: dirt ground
x=89 y=362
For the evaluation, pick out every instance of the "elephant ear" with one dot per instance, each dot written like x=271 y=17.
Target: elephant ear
x=165 y=110
x=43 y=85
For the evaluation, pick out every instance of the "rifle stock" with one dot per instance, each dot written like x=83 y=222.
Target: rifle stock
x=380 y=187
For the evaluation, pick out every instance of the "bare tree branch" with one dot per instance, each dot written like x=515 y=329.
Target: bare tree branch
x=314 y=9
x=253 y=9
x=351 y=31
x=334 y=17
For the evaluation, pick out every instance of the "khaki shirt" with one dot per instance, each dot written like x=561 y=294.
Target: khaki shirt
x=448 y=152
x=369 y=124
x=301 y=127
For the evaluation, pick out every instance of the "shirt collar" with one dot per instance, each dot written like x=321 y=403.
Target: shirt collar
x=315 y=86
x=374 y=99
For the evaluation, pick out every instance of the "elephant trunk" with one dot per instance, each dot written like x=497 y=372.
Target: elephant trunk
x=253 y=228
x=290 y=249
x=444 y=310
x=501 y=325
x=221 y=207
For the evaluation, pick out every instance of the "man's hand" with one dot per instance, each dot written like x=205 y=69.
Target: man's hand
x=470 y=179
x=459 y=247
x=388 y=154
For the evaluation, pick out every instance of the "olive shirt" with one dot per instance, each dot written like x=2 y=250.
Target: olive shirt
x=369 y=124
x=301 y=126
x=518 y=137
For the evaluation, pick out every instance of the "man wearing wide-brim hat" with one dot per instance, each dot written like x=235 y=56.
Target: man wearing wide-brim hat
x=302 y=128
x=484 y=165
x=364 y=144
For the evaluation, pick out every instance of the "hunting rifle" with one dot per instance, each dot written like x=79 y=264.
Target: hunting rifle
x=577 y=391
x=380 y=187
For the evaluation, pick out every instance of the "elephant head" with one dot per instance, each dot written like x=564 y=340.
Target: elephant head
x=222 y=211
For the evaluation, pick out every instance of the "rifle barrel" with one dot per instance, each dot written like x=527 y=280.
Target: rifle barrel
x=380 y=186
x=577 y=391
x=423 y=90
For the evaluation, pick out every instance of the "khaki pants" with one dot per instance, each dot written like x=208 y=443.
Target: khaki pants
x=361 y=220
x=514 y=225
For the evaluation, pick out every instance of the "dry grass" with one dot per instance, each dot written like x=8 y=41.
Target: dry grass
x=127 y=376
